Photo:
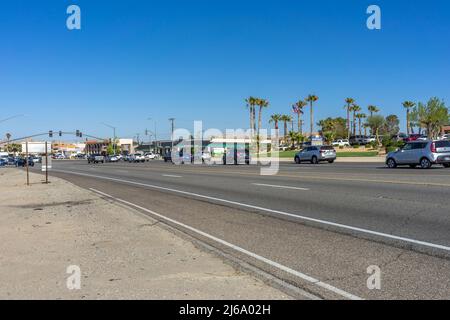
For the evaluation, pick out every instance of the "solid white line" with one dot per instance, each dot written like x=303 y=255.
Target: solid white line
x=276 y=186
x=241 y=250
x=287 y=214
x=171 y=176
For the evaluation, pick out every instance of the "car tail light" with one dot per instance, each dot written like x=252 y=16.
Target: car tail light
x=433 y=147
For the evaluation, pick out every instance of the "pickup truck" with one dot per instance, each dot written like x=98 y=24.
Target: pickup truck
x=96 y=158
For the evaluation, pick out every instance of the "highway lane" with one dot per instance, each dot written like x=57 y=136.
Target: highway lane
x=412 y=210
x=331 y=257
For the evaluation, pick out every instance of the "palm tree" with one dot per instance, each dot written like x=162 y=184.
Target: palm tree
x=348 y=107
x=298 y=109
x=251 y=104
x=372 y=109
x=262 y=103
x=408 y=105
x=355 y=109
x=293 y=137
x=366 y=126
x=275 y=119
x=360 y=116
x=311 y=99
x=285 y=118
x=8 y=137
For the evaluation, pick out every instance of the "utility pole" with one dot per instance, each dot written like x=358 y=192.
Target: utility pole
x=114 y=135
x=154 y=134
x=172 y=120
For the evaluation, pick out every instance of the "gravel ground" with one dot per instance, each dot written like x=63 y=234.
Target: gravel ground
x=44 y=229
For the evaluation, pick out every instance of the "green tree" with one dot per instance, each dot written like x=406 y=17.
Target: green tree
x=311 y=99
x=432 y=116
x=392 y=125
x=376 y=123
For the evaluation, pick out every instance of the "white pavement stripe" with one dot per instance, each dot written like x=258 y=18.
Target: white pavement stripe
x=241 y=250
x=287 y=214
x=281 y=187
x=171 y=176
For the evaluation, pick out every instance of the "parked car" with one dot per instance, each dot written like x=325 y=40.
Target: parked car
x=421 y=153
x=137 y=157
x=357 y=140
x=96 y=158
x=167 y=157
x=341 y=143
x=10 y=161
x=316 y=154
x=150 y=156
x=399 y=137
x=22 y=162
x=369 y=139
x=3 y=162
x=236 y=156
x=415 y=137
x=444 y=137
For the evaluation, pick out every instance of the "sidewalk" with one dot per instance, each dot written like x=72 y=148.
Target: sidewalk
x=121 y=254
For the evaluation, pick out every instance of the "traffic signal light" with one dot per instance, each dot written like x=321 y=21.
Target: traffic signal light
x=81 y=134
x=60 y=133
x=50 y=134
x=77 y=133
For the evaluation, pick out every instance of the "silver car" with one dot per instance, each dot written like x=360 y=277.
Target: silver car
x=421 y=153
x=316 y=154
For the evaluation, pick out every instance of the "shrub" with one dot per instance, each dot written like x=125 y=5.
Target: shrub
x=356 y=146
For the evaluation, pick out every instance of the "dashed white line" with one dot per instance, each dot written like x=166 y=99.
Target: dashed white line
x=280 y=187
x=171 y=176
x=241 y=250
x=281 y=213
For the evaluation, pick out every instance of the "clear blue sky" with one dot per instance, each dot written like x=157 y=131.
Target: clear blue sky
x=199 y=59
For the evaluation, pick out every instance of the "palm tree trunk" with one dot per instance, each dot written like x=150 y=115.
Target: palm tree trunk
x=407 y=121
x=360 y=126
x=299 y=123
x=354 y=123
x=285 y=129
x=259 y=126
x=311 y=118
x=348 y=122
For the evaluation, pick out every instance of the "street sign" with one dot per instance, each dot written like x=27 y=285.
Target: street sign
x=37 y=147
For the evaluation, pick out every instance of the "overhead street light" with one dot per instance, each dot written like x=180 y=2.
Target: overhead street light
x=114 y=133
x=13 y=117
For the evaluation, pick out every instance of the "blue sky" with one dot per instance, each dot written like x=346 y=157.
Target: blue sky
x=199 y=60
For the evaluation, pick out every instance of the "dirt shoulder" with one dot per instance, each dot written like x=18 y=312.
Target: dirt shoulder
x=44 y=229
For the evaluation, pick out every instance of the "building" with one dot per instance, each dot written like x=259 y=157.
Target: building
x=96 y=147
x=68 y=149
x=446 y=129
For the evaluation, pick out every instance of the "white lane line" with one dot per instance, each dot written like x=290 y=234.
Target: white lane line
x=171 y=176
x=241 y=250
x=287 y=214
x=281 y=187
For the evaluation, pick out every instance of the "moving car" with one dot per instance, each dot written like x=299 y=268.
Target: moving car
x=341 y=143
x=96 y=158
x=112 y=158
x=316 y=154
x=421 y=153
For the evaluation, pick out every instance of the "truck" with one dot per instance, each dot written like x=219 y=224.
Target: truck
x=96 y=158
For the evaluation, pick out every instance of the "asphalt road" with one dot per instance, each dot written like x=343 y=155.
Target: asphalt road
x=316 y=227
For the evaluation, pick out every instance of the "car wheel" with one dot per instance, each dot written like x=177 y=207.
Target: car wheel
x=413 y=166
x=330 y=161
x=391 y=163
x=425 y=163
x=297 y=160
x=314 y=160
